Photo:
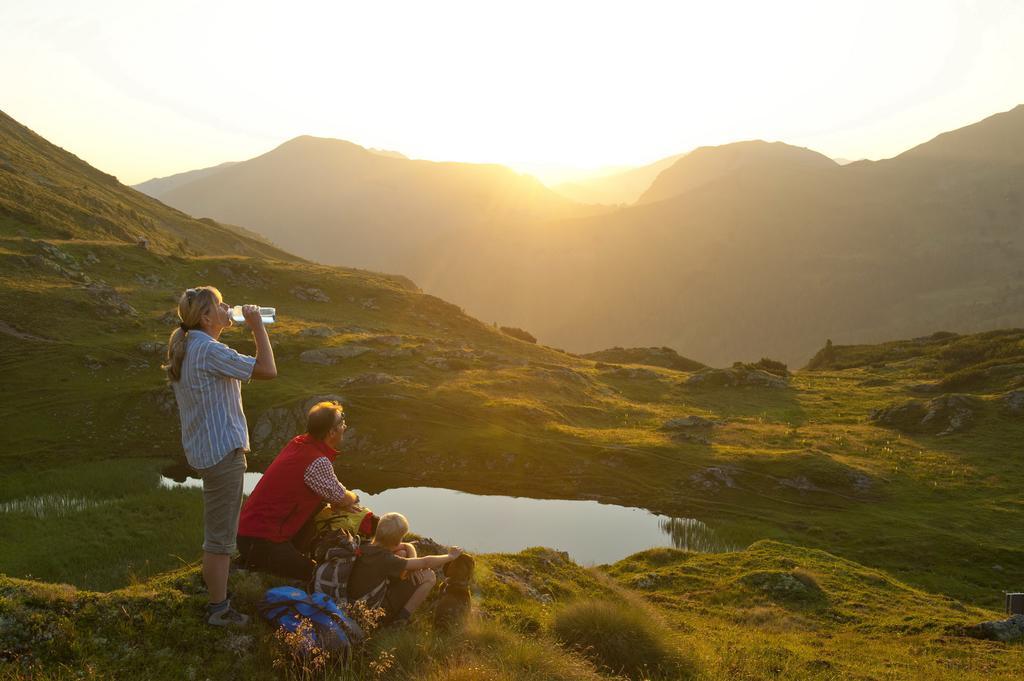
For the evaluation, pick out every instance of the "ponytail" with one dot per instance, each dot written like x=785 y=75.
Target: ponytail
x=175 y=354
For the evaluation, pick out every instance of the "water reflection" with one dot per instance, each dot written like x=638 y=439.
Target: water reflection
x=50 y=506
x=691 y=534
x=590 y=532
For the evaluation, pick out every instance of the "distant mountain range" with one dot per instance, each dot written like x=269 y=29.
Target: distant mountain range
x=340 y=203
x=707 y=164
x=731 y=252
x=622 y=187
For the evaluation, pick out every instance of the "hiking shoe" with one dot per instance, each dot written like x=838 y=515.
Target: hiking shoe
x=228 y=617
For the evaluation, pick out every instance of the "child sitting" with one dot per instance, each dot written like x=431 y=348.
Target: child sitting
x=389 y=573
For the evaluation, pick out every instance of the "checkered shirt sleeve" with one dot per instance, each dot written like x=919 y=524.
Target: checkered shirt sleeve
x=320 y=478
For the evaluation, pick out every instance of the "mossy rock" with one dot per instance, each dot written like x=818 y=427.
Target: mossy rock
x=794 y=587
x=943 y=415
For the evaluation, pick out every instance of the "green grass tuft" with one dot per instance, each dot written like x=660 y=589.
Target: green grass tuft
x=622 y=639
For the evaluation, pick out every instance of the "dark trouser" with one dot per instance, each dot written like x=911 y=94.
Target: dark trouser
x=280 y=558
x=398 y=594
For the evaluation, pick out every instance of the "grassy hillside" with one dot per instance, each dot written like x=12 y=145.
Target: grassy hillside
x=47 y=193
x=772 y=611
x=438 y=398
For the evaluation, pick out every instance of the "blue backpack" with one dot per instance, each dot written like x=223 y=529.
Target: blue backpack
x=333 y=630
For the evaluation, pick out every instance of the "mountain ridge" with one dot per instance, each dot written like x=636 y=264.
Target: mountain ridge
x=706 y=164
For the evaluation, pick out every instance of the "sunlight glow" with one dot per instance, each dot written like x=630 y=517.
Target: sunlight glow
x=143 y=90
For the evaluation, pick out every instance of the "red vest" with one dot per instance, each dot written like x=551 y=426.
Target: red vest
x=282 y=503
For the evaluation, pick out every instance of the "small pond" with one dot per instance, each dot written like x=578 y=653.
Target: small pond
x=591 y=532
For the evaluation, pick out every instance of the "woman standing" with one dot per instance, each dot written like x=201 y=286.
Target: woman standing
x=207 y=379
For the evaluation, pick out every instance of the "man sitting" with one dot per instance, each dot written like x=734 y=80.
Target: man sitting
x=390 y=567
x=291 y=491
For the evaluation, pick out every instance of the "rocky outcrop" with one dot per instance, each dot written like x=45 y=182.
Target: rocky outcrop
x=1010 y=629
x=152 y=348
x=797 y=586
x=714 y=478
x=688 y=422
x=692 y=428
x=1013 y=402
x=393 y=341
x=275 y=427
x=244 y=276
x=370 y=379
x=943 y=415
x=109 y=300
x=329 y=356
x=735 y=377
x=318 y=332
x=310 y=294
x=635 y=373
x=163 y=399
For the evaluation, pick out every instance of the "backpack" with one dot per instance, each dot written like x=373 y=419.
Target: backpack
x=335 y=552
x=361 y=522
x=333 y=630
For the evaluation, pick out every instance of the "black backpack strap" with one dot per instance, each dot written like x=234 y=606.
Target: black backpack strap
x=375 y=597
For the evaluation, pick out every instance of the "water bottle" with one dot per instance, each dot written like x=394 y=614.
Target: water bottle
x=269 y=315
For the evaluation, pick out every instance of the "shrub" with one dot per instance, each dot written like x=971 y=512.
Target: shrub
x=772 y=366
x=518 y=333
x=622 y=639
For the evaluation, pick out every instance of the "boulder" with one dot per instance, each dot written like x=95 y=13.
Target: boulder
x=393 y=341
x=276 y=426
x=687 y=422
x=800 y=483
x=163 y=399
x=243 y=276
x=942 y=415
x=1010 y=629
x=692 y=428
x=309 y=293
x=329 y=356
x=785 y=587
x=370 y=379
x=714 y=478
x=109 y=300
x=437 y=363
x=1013 y=402
x=152 y=348
x=318 y=332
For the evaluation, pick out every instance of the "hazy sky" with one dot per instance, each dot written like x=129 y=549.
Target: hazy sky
x=143 y=89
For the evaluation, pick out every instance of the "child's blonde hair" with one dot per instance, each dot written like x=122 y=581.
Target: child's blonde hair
x=391 y=528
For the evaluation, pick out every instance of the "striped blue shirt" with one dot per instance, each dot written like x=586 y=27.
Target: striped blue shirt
x=209 y=395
